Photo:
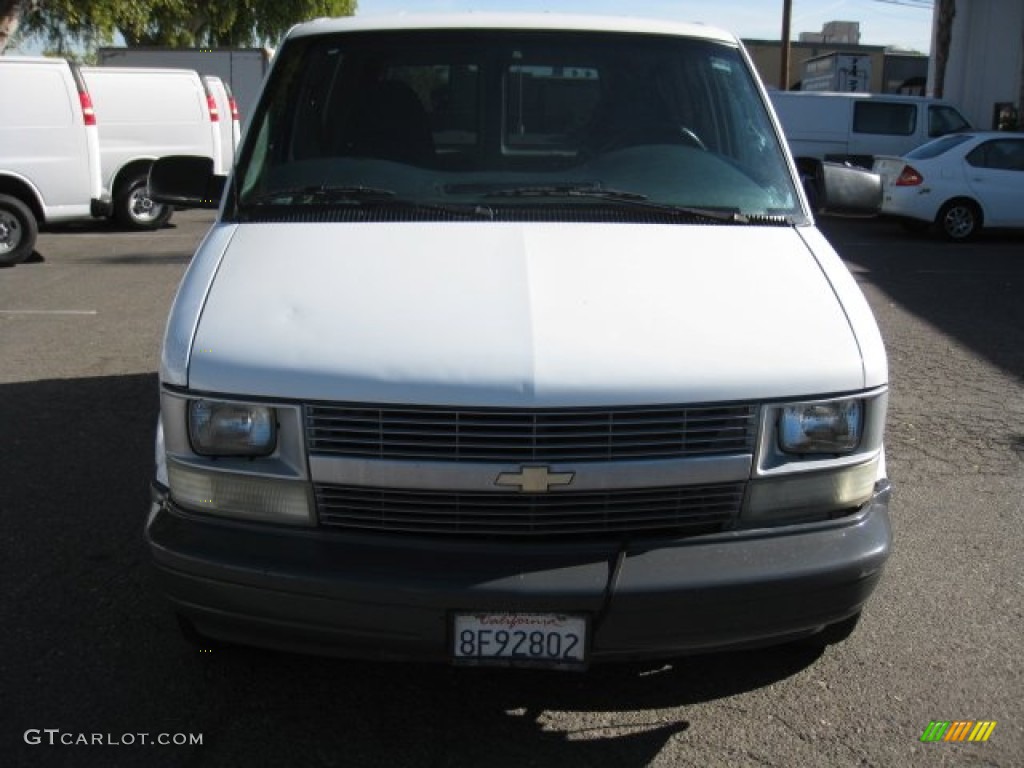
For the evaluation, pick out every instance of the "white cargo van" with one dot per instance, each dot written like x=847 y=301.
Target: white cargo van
x=143 y=114
x=514 y=342
x=49 y=151
x=857 y=127
x=242 y=69
x=228 y=120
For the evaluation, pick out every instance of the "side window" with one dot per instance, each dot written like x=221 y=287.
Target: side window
x=315 y=115
x=884 y=118
x=449 y=95
x=358 y=105
x=943 y=120
x=999 y=154
x=546 y=106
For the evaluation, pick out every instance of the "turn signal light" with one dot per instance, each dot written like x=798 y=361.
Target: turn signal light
x=88 y=113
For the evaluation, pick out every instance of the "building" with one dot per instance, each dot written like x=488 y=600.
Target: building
x=882 y=70
x=767 y=56
x=834 y=33
x=905 y=73
x=985 y=72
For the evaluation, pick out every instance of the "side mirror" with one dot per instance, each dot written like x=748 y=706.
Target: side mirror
x=185 y=181
x=845 y=189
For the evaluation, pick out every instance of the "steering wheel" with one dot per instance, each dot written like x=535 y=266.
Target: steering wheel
x=636 y=134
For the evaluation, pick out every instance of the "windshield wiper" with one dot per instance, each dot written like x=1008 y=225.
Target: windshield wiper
x=619 y=196
x=362 y=196
x=469 y=210
x=566 y=190
x=321 y=193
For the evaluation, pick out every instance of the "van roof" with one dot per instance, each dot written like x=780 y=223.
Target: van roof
x=847 y=95
x=36 y=59
x=141 y=70
x=522 y=21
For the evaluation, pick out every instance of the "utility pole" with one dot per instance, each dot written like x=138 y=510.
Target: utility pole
x=787 y=11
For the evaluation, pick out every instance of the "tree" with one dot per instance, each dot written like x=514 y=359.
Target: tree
x=62 y=24
x=945 y=11
x=10 y=14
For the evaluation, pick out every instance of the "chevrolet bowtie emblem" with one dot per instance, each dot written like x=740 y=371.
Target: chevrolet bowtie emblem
x=534 y=479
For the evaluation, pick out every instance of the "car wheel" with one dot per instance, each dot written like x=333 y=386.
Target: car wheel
x=959 y=220
x=134 y=209
x=18 y=230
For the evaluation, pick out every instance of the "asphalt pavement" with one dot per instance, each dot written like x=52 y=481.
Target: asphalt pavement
x=91 y=654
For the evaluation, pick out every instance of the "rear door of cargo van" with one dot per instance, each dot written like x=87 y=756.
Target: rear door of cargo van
x=146 y=113
x=816 y=125
x=48 y=135
x=228 y=129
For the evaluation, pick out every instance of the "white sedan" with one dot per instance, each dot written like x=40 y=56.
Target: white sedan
x=959 y=183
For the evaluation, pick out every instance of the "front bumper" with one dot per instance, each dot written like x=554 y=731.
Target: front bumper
x=366 y=597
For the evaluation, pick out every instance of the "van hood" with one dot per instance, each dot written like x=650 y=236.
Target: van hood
x=493 y=314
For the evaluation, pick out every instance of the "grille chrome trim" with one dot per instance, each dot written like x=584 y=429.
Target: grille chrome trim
x=677 y=511
x=412 y=433
x=477 y=476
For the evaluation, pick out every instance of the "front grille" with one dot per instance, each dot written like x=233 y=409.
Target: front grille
x=515 y=436
x=676 y=511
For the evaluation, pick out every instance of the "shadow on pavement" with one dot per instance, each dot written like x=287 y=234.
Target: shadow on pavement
x=973 y=292
x=148 y=259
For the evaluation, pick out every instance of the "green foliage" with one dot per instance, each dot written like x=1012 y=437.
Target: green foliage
x=67 y=24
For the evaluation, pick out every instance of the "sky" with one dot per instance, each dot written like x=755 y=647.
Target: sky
x=905 y=23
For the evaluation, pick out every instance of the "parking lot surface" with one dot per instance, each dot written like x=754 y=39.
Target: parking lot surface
x=90 y=649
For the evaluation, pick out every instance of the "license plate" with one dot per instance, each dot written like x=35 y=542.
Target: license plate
x=520 y=639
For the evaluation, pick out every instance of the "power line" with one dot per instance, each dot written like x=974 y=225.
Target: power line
x=927 y=4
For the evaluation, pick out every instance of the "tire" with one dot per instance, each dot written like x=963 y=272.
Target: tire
x=959 y=220
x=18 y=231
x=134 y=210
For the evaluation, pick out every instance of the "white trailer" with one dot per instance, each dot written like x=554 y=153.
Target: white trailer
x=847 y=72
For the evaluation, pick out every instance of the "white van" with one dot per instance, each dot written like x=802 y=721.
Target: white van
x=514 y=342
x=228 y=120
x=49 y=151
x=146 y=113
x=857 y=127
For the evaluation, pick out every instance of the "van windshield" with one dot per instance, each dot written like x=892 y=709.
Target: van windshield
x=509 y=120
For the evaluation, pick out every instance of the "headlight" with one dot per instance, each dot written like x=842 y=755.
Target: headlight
x=823 y=427
x=231 y=429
